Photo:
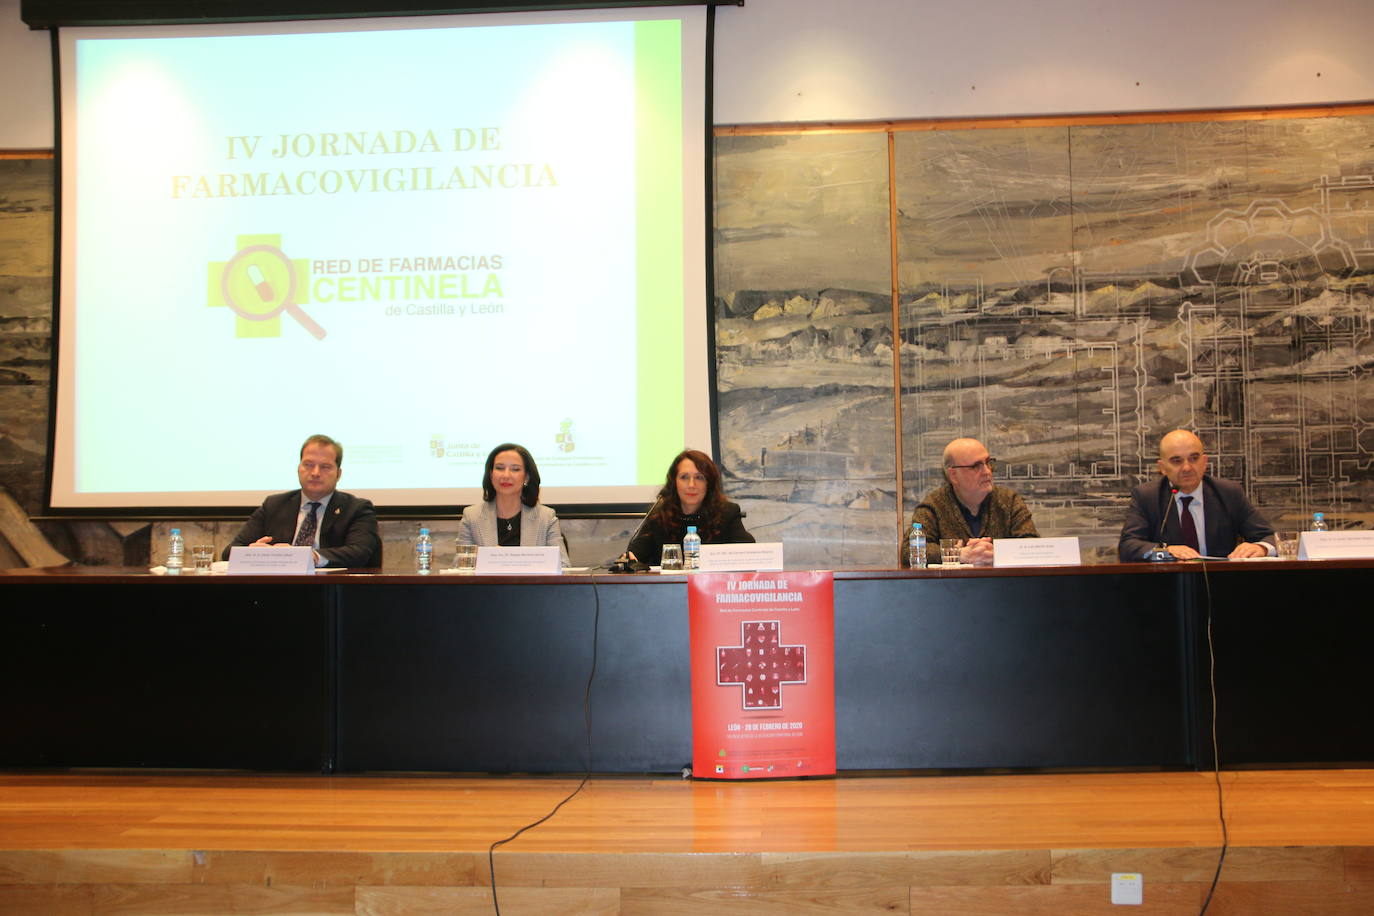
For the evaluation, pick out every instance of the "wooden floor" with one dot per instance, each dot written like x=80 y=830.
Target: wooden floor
x=1302 y=842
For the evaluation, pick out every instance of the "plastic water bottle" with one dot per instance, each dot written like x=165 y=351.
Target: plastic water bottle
x=176 y=551
x=424 y=552
x=691 y=549
x=916 y=547
x=1319 y=522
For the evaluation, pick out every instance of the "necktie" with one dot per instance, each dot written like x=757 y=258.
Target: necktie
x=306 y=536
x=1185 y=520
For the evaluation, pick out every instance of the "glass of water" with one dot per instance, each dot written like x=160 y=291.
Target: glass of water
x=203 y=557
x=465 y=558
x=672 y=558
x=1288 y=544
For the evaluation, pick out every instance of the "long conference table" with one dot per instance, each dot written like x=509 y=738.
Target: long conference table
x=1096 y=667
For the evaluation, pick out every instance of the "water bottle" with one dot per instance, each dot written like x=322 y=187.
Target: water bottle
x=691 y=549
x=1319 y=522
x=916 y=547
x=424 y=552
x=176 y=549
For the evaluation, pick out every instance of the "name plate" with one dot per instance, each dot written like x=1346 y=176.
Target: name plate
x=271 y=561
x=1336 y=545
x=519 y=561
x=1035 y=552
x=741 y=557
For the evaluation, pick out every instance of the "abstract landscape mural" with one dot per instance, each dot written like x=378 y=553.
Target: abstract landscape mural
x=804 y=355
x=1070 y=293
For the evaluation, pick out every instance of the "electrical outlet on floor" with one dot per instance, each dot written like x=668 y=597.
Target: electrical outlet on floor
x=1128 y=888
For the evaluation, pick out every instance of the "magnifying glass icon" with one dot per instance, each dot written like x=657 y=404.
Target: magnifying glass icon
x=259 y=283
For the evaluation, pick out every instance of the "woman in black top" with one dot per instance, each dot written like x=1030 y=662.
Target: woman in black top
x=691 y=495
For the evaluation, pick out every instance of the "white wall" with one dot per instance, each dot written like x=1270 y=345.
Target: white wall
x=25 y=83
x=819 y=60
x=840 y=60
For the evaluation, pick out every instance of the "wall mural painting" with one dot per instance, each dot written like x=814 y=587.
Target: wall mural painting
x=1070 y=294
x=1067 y=294
x=26 y=247
x=804 y=343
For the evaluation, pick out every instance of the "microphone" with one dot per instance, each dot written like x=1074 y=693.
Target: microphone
x=624 y=564
x=1161 y=554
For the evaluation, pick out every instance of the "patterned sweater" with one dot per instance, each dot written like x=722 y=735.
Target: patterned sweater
x=1005 y=515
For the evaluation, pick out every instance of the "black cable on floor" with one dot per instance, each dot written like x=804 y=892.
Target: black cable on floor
x=1216 y=751
x=587 y=769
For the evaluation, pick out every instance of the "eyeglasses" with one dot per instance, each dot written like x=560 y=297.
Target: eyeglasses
x=989 y=463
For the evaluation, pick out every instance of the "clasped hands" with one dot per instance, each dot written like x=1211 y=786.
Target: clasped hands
x=266 y=541
x=1243 y=551
x=976 y=552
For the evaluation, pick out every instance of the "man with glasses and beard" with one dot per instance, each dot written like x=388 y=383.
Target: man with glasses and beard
x=969 y=506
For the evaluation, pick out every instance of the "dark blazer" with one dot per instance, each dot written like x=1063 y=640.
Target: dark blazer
x=1230 y=519
x=648 y=547
x=348 y=530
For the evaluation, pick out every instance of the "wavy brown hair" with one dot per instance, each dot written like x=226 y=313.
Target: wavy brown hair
x=670 y=515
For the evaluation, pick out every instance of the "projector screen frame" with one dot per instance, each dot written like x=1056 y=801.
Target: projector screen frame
x=53 y=14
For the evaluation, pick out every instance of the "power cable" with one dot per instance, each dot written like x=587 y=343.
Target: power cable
x=587 y=769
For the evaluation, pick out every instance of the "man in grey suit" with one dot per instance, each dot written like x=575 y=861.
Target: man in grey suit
x=1200 y=515
x=341 y=527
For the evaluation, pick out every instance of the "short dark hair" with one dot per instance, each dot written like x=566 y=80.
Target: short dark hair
x=322 y=439
x=529 y=494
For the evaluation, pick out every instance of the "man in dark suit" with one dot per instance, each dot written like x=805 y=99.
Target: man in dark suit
x=341 y=527
x=1209 y=516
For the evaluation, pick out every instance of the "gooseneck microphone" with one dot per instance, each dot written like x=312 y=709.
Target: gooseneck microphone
x=624 y=564
x=1161 y=554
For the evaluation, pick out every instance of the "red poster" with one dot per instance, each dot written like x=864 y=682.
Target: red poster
x=763 y=674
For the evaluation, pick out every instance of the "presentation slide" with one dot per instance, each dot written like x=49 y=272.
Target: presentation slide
x=422 y=237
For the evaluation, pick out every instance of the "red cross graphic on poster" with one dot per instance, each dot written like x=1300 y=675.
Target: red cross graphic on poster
x=760 y=665
x=763 y=674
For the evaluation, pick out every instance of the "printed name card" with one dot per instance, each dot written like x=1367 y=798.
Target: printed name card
x=741 y=557
x=271 y=561
x=518 y=561
x=1336 y=545
x=1035 y=552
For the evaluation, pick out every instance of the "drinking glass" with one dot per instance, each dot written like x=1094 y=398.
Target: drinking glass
x=1288 y=544
x=950 y=549
x=672 y=558
x=465 y=559
x=202 y=556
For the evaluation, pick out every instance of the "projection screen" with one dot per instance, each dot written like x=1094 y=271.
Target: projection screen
x=420 y=236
